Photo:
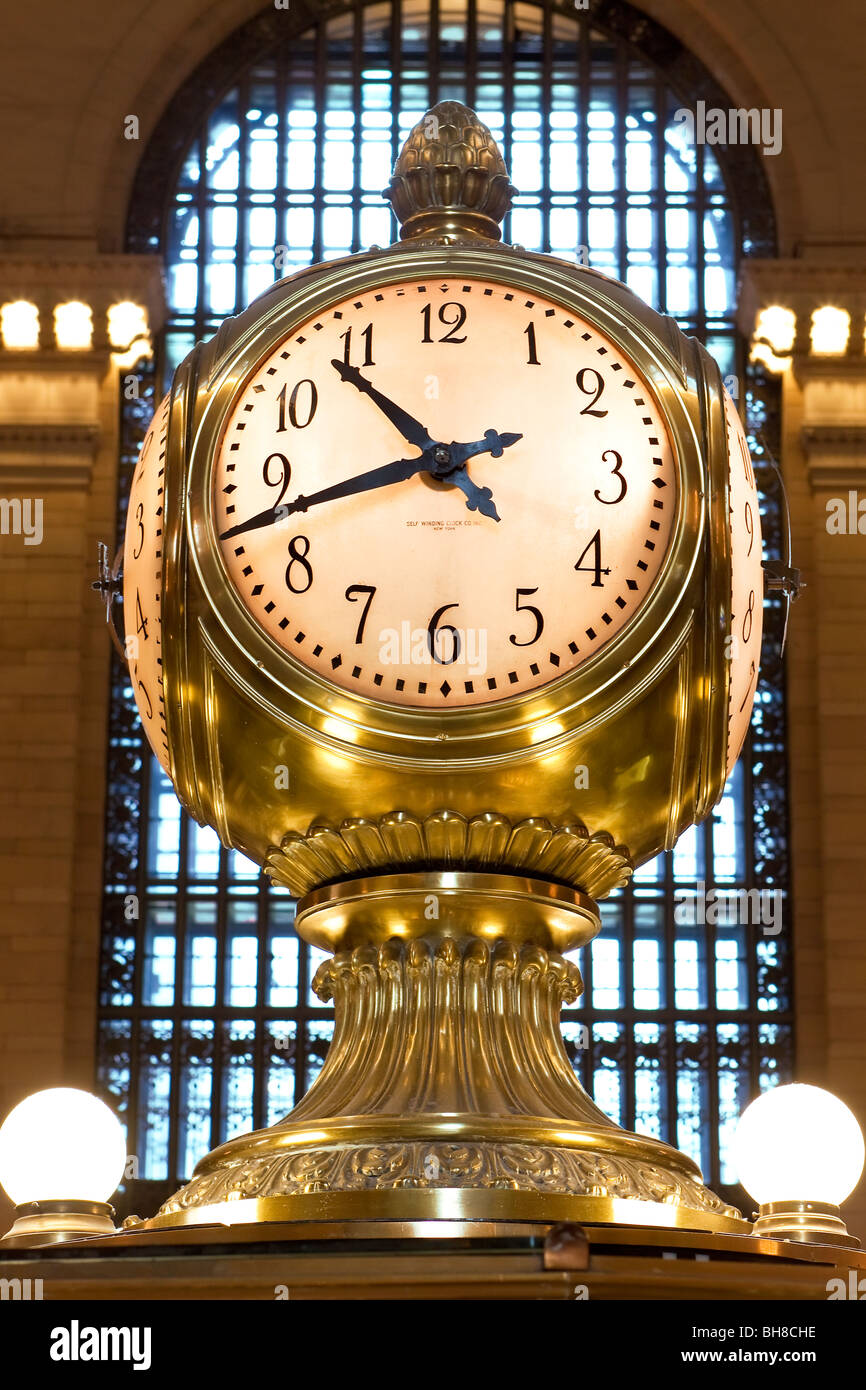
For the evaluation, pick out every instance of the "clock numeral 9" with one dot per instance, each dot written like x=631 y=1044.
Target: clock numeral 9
x=750 y=527
x=614 y=473
x=282 y=482
x=434 y=636
x=299 y=558
x=451 y=315
x=595 y=568
x=293 y=406
x=591 y=383
x=527 y=608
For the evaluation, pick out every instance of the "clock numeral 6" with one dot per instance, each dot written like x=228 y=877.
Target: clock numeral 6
x=434 y=637
x=527 y=608
x=299 y=558
x=309 y=406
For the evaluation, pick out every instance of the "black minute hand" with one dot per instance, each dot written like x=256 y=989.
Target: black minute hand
x=396 y=472
x=410 y=428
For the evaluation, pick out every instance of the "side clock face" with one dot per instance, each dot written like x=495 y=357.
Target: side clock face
x=747 y=584
x=444 y=493
x=142 y=582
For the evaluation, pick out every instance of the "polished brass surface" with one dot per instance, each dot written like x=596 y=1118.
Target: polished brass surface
x=564 y=854
x=648 y=713
x=804 y=1221
x=55 y=1222
x=521 y=910
x=450 y=182
x=447 y=1091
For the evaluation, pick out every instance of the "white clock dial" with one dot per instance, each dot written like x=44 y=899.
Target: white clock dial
x=747 y=584
x=444 y=493
x=142 y=582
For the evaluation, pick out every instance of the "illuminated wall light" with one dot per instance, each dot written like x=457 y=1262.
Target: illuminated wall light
x=127 y=324
x=773 y=338
x=19 y=324
x=830 y=330
x=73 y=325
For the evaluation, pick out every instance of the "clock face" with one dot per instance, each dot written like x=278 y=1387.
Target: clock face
x=444 y=493
x=747 y=584
x=142 y=582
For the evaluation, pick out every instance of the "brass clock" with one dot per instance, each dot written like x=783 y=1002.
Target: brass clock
x=443 y=584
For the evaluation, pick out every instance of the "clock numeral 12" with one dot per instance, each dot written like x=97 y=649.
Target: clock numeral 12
x=453 y=322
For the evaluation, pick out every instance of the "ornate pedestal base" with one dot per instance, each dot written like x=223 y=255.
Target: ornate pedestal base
x=447 y=1092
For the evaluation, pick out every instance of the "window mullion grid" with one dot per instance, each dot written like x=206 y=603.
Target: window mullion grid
x=320 y=101
x=301 y=1015
x=508 y=83
x=281 y=189
x=621 y=194
x=471 y=52
x=660 y=195
x=628 y=1012
x=222 y=1025
x=671 y=1011
x=358 y=112
x=712 y=1081
x=262 y=1036
x=546 y=103
x=135 y=1115
x=433 y=54
x=583 y=99
x=181 y=901
x=242 y=204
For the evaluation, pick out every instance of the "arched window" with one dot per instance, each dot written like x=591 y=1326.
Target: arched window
x=271 y=156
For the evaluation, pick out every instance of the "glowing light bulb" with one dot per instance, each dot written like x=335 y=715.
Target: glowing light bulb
x=61 y=1144
x=799 y=1152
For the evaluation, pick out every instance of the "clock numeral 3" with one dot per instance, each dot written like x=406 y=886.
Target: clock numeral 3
x=434 y=637
x=299 y=558
x=139 y=513
x=451 y=315
x=311 y=404
x=527 y=608
x=614 y=473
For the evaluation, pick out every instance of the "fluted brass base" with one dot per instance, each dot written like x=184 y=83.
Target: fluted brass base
x=447 y=1092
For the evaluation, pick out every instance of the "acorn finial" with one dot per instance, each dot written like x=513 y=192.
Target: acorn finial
x=450 y=181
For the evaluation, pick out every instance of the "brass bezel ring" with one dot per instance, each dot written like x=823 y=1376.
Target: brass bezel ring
x=294 y=694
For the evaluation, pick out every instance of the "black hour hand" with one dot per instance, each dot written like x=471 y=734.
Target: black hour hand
x=410 y=428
